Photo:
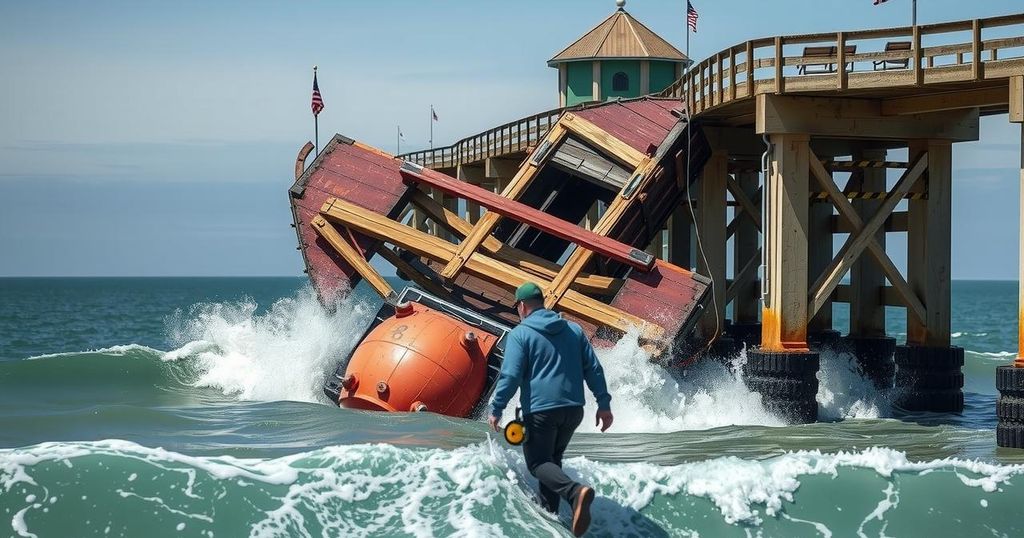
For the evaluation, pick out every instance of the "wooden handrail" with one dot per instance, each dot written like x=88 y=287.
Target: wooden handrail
x=713 y=81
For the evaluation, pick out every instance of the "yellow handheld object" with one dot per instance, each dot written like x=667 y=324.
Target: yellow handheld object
x=515 y=432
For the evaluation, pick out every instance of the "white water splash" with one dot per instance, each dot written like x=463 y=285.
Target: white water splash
x=843 y=393
x=648 y=398
x=282 y=354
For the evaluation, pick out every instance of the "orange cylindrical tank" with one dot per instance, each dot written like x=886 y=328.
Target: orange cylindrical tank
x=418 y=360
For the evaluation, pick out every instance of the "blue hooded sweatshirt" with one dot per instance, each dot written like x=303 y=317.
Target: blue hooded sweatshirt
x=548 y=358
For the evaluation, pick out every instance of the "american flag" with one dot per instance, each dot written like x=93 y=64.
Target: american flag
x=691 y=17
x=318 y=101
x=880 y=2
x=433 y=115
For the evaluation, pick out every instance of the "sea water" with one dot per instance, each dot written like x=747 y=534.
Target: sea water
x=193 y=407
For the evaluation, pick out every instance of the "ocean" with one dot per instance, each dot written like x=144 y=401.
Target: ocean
x=193 y=407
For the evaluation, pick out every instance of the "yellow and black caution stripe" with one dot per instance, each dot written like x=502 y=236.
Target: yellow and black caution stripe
x=856 y=195
x=847 y=165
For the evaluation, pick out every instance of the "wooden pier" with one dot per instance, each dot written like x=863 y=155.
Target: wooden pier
x=822 y=111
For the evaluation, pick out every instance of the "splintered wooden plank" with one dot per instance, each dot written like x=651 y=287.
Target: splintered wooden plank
x=485 y=267
x=353 y=258
x=513 y=190
x=535 y=218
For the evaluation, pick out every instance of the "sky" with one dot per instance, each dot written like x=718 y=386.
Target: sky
x=158 y=138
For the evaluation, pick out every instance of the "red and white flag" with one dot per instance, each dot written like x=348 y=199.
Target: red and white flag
x=318 y=101
x=691 y=17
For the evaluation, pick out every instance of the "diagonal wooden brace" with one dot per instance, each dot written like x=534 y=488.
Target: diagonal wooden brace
x=353 y=258
x=745 y=202
x=863 y=237
x=513 y=190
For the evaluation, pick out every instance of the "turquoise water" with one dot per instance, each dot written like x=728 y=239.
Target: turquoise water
x=192 y=407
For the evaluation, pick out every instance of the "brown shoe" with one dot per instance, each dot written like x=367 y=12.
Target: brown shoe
x=581 y=511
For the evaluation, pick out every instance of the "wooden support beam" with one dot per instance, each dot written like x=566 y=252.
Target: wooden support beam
x=515 y=188
x=711 y=219
x=744 y=277
x=928 y=242
x=784 y=317
x=819 y=254
x=473 y=175
x=1017 y=99
x=751 y=210
x=897 y=222
x=500 y=274
x=745 y=293
x=536 y=218
x=860 y=240
x=679 y=240
x=501 y=168
x=867 y=310
x=354 y=258
x=858 y=118
x=939 y=102
x=587 y=283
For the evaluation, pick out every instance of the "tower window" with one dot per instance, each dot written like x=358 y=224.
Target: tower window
x=620 y=82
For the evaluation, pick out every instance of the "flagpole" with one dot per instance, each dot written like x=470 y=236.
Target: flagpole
x=316 y=125
x=431 y=119
x=915 y=12
x=398 y=139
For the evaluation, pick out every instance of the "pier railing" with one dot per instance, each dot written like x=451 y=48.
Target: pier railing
x=513 y=137
x=962 y=51
x=949 y=52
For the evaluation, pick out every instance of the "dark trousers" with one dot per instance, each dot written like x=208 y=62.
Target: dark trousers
x=547 y=434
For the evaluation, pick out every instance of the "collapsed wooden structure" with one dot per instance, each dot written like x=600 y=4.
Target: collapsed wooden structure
x=575 y=218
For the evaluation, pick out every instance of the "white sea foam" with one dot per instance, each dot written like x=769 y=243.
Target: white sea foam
x=281 y=354
x=383 y=489
x=117 y=351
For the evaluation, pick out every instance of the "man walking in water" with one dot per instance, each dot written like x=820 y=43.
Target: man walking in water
x=548 y=359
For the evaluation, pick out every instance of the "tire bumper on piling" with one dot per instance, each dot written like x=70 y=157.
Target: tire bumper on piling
x=929 y=378
x=1010 y=407
x=787 y=382
x=874 y=356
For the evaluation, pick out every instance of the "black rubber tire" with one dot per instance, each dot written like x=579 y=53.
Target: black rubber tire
x=937 y=401
x=794 y=411
x=1010 y=381
x=792 y=365
x=1010 y=409
x=783 y=388
x=927 y=380
x=1010 y=434
x=747 y=333
x=929 y=358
